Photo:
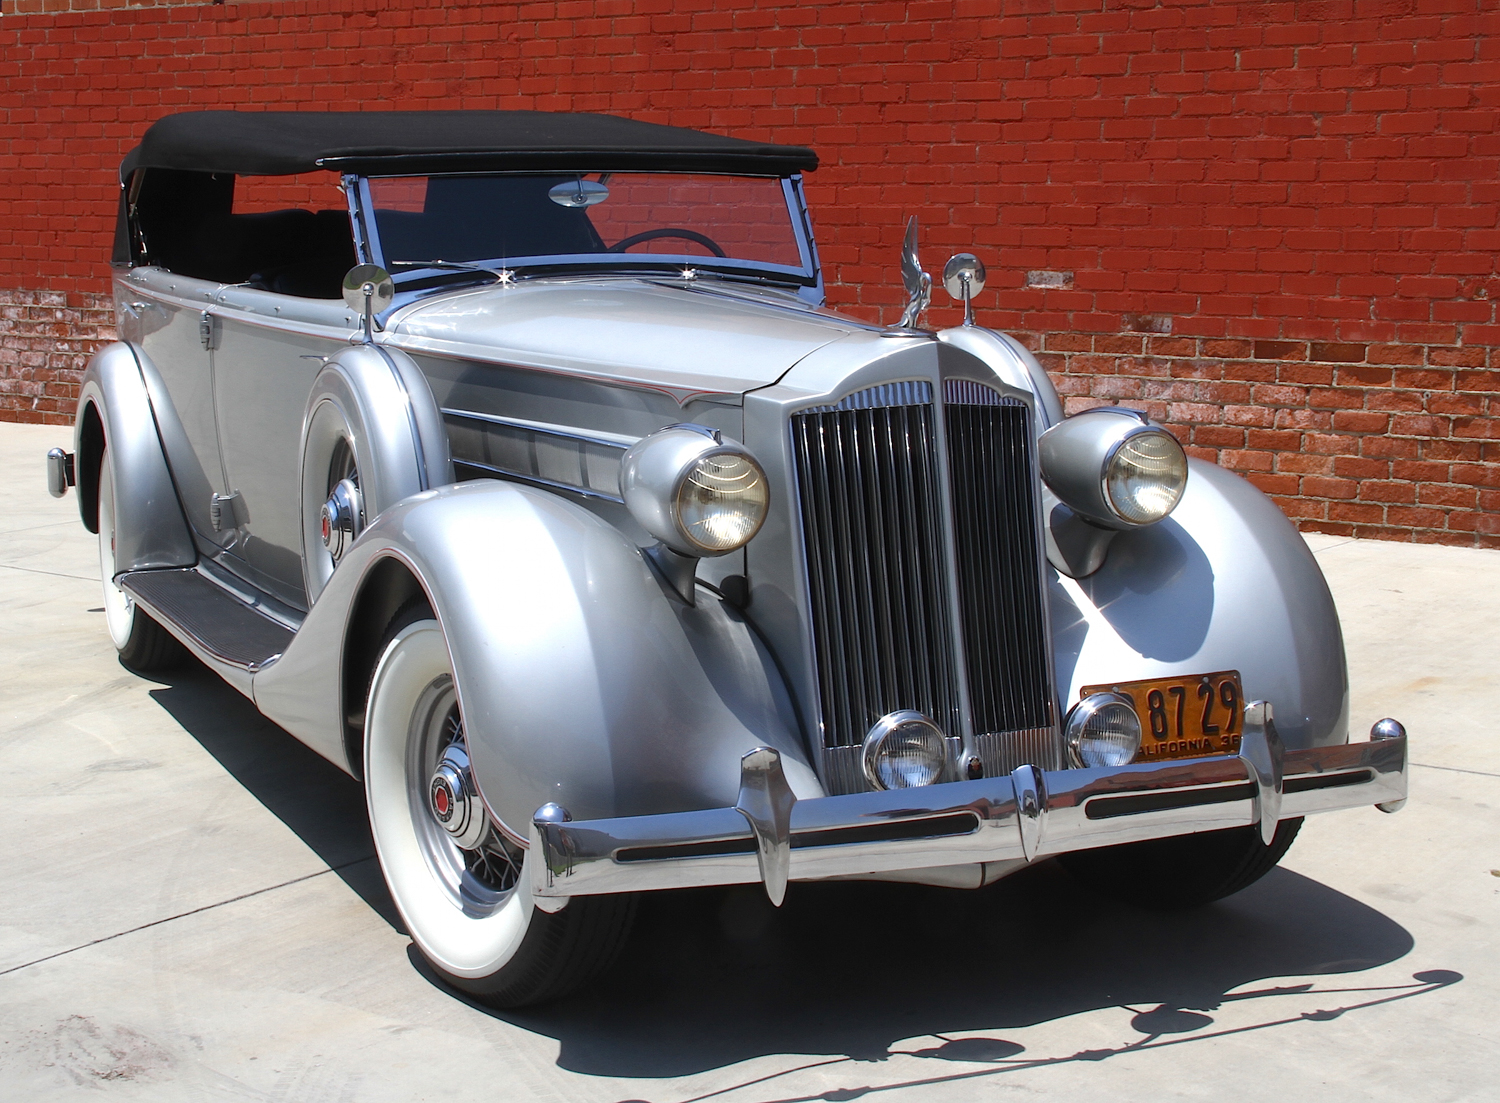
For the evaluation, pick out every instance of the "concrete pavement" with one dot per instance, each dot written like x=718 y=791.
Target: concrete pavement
x=189 y=910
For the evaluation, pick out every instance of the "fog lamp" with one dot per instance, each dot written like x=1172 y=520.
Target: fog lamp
x=904 y=750
x=1103 y=730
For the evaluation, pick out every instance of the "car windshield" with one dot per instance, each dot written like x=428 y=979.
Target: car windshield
x=624 y=220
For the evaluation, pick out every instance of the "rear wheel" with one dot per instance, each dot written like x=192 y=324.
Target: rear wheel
x=333 y=507
x=144 y=645
x=461 y=884
x=1186 y=871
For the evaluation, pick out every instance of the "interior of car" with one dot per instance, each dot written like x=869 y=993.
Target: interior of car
x=185 y=224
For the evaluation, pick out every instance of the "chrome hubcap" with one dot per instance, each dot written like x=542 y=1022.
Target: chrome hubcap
x=340 y=519
x=453 y=800
x=462 y=844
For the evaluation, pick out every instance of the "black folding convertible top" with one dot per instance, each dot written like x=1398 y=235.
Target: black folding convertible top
x=275 y=143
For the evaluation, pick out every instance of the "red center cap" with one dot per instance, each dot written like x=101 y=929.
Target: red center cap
x=440 y=801
x=327 y=529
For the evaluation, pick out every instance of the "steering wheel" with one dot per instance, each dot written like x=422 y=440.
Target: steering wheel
x=668 y=231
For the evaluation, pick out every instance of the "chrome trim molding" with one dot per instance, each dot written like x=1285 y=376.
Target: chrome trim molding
x=537 y=453
x=966 y=392
x=608 y=440
x=911 y=392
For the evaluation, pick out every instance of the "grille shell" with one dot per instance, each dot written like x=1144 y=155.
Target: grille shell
x=899 y=622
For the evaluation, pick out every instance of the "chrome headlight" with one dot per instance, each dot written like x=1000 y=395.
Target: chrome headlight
x=1114 y=467
x=904 y=750
x=1103 y=730
x=697 y=491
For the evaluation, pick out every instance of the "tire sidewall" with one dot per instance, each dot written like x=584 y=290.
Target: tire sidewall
x=461 y=943
x=119 y=609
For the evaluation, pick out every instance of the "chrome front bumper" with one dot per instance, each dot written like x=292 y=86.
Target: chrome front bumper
x=771 y=837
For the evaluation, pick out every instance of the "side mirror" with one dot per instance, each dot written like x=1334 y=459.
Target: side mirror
x=963 y=278
x=369 y=289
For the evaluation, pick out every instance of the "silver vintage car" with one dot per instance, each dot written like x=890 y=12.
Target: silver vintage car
x=512 y=462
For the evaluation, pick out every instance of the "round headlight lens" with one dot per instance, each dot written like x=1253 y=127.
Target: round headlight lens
x=1145 y=477
x=722 y=501
x=904 y=750
x=1103 y=730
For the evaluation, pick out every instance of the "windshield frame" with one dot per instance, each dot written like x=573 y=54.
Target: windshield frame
x=414 y=278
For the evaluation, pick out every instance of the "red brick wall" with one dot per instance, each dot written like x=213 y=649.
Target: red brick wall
x=45 y=339
x=1274 y=225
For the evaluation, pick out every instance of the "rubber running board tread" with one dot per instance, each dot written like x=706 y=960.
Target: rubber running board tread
x=217 y=621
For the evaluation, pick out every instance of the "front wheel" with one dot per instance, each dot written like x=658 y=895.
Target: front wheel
x=144 y=645
x=462 y=885
x=1186 y=871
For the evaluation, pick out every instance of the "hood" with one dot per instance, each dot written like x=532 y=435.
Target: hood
x=690 y=341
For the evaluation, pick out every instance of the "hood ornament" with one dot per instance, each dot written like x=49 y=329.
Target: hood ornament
x=918 y=283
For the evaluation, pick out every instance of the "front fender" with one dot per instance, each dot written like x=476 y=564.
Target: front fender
x=1225 y=583
x=580 y=680
x=150 y=528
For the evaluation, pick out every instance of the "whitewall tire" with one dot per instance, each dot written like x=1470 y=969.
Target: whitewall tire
x=466 y=897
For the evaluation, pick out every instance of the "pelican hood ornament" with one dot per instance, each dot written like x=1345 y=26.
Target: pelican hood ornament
x=918 y=283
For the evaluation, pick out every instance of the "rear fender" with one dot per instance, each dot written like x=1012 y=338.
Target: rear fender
x=581 y=681
x=1225 y=583
x=115 y=409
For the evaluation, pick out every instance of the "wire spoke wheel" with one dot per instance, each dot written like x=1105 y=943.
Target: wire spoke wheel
x=341 y=465
x=478 y=878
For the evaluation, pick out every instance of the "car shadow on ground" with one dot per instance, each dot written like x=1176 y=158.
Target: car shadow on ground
x=713 y=977
x=324 y=806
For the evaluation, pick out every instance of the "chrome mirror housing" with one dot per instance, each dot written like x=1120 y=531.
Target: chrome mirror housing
x=369 y=289
x=963 y=278
x=578 y=193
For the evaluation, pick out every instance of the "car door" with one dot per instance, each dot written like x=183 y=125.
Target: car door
x=268 y=351
x=163 y=313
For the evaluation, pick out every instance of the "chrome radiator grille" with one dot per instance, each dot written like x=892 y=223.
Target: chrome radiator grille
x=999 y=572
x=873 y=519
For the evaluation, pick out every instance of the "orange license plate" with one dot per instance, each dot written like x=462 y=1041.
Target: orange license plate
x=1188 y=717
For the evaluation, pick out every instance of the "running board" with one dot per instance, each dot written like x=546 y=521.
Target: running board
x=211 y=621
